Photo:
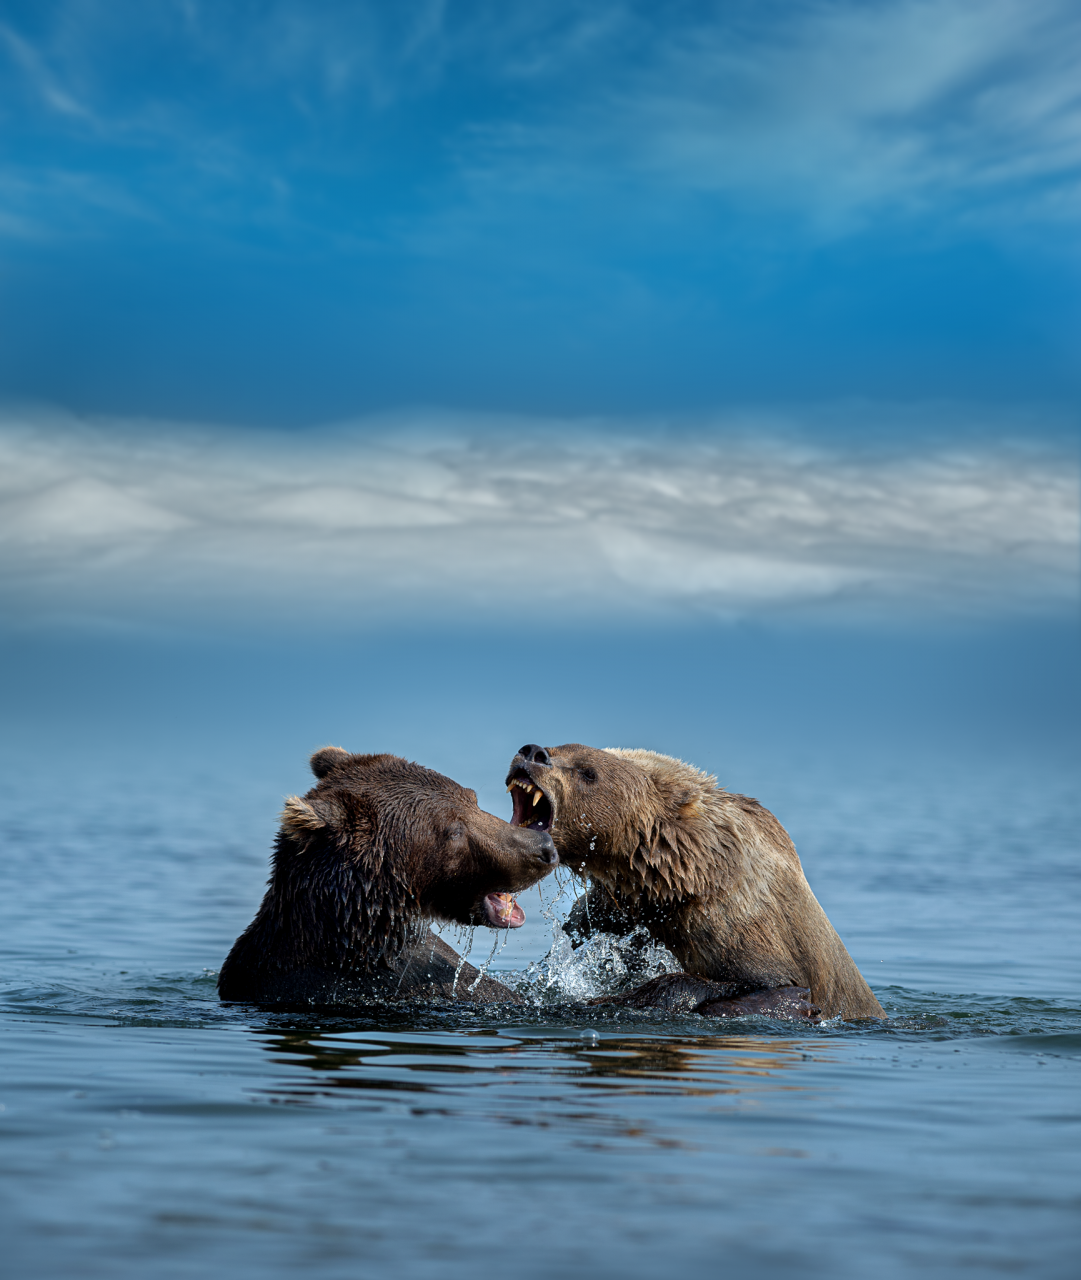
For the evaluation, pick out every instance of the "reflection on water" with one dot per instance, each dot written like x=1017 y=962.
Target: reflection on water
x=485 y=1062
x=699 y=1065
x=500 y=1071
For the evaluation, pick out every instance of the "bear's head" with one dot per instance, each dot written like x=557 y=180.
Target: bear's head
x=616 y=812
x=391 y=842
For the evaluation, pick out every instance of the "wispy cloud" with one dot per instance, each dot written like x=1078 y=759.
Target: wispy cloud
x=438 y=516
x=47 y=86
x=837 y=111
x=832 y=112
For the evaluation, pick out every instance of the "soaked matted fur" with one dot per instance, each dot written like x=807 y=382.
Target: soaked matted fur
x=362 y=863
x=711 y=874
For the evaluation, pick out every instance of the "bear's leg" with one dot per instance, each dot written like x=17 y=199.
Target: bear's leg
x=596 y=912
x=684 y=993
x=780 y=1002
x=675 y=992
x=431 y=975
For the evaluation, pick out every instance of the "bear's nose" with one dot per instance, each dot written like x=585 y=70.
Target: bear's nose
x=532 y=754
x=547 y=851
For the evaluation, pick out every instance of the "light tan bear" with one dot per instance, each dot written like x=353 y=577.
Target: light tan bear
x=712 y=876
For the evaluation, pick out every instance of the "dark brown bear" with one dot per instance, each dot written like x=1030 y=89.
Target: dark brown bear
x=377 y=849
x=712 y=876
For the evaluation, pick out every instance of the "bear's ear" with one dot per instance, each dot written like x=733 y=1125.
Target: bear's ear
x=687 y=801
x=326 y=759
x=298 y=816
x=677 y=798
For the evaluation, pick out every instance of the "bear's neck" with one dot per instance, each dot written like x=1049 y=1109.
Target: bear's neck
x=324 y=912
x=728 y=851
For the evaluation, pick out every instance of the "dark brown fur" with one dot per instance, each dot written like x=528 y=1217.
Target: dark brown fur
x=361 y=864
x=684 y=993
x=713 y=876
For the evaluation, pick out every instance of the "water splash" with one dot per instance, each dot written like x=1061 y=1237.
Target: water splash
x=604 y=965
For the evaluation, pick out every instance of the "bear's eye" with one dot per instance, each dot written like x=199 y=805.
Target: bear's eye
x=456 y=831
x=588 y=775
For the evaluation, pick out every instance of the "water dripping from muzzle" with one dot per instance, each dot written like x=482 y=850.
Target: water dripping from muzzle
x=462 y=959
x=498 y=945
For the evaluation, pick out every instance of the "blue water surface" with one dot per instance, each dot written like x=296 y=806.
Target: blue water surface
x=149 y=1130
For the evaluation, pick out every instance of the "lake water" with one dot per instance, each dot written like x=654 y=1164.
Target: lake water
x=148 y=1130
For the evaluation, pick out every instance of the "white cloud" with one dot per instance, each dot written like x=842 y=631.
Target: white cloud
x=440 y=516
x=86 y=510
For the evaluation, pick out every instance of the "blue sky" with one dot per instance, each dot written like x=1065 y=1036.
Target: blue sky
x=283 y=213
x=624 y=314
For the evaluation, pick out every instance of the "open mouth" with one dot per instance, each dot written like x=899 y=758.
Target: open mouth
x=532 y=808
x=503 y=912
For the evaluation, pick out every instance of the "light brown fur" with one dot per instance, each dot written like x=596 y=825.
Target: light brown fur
x=711 y=874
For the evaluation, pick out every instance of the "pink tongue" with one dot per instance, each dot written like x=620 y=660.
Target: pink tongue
x=503 y=912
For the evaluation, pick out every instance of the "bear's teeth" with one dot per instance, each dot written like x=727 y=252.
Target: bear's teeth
x=536 y=798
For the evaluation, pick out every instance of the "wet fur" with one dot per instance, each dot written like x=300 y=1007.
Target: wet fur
x=712 y=875
x=361 y=864
x=684 y=993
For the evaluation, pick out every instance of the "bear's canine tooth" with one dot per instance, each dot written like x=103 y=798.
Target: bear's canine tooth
x=536 y=797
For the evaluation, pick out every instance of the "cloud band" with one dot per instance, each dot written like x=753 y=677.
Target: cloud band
x=468 y=517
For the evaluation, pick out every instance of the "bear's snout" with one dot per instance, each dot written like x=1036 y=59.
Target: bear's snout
x=528 y=842
x=547 y=851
